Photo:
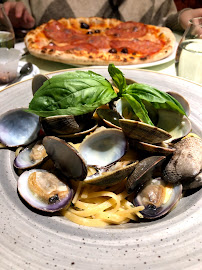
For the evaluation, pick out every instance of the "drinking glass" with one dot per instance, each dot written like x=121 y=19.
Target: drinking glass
x=7 y=35
x=188 y=61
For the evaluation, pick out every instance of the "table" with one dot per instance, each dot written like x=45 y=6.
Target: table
x=46 y=66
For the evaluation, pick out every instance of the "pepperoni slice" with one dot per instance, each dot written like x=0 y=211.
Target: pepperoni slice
x=58 y=32
x=143 y=47
x=127 y=30
x=99 y=42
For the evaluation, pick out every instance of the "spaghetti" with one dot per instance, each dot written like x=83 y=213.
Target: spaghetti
x=98 y=207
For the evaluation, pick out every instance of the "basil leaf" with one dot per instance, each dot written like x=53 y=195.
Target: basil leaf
x=138 y=107
x=118 y=78
x=73 y=93
x=159 y=99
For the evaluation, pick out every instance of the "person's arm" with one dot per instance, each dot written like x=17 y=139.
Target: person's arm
x=180 y=20
x=19 y=15
x=188 y=14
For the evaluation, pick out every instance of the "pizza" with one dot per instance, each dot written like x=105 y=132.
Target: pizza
x=99 y=41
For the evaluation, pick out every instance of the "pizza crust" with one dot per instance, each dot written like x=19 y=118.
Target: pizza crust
x=103 y=57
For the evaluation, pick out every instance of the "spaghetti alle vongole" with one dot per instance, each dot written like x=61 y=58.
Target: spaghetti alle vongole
x=124 y=185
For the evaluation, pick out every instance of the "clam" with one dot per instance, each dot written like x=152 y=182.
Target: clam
x=31 y=156
x=158 y=198
x=151 y=191
x=103 y=147
x=66 y=158
x=176 y=124
x=142 y=170
x=160 y=149
x=168 y=126
x=109 y=117
x=44 y=191
x=105 y=150
x=186 y=163
x=38 y=81
x=143 y=132
x=171 y=126
x=68 y=125
x=18 y=127
x=101 y=151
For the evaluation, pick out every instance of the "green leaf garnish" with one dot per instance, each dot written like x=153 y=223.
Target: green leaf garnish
x=159 y=99
x=71 y=93
x=138 y=108
x=118 y=78
x=138 y=93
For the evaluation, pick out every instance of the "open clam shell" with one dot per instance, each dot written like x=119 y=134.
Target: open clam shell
x=171 y=126
x=158 y=198
x=150 y=190
x=38 y=81
x=66 y=158
x=103 y=147
x=49 y=194
x=111 y=176
x=18 y=127
x=109 y=117
x=142 y=172
x=143 y=132
x=106 y=150
x=101 y=150
x=31 y=156
x=176 y=124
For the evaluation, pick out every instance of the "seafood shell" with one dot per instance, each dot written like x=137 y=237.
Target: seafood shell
x=18 y=127
x=186 y=162
x=44 y=191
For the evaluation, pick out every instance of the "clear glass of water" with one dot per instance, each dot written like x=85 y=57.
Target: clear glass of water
x=188 y=61
x=7 y=35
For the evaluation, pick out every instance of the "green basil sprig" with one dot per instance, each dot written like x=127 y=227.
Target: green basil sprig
x=135 y=93
x=118 y=78
x=72 y=93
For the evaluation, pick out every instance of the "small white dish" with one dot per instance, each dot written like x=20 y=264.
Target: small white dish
x=9 y=59
x=34 y=72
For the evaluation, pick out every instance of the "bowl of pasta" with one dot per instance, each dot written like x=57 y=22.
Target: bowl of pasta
x=99 y=220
